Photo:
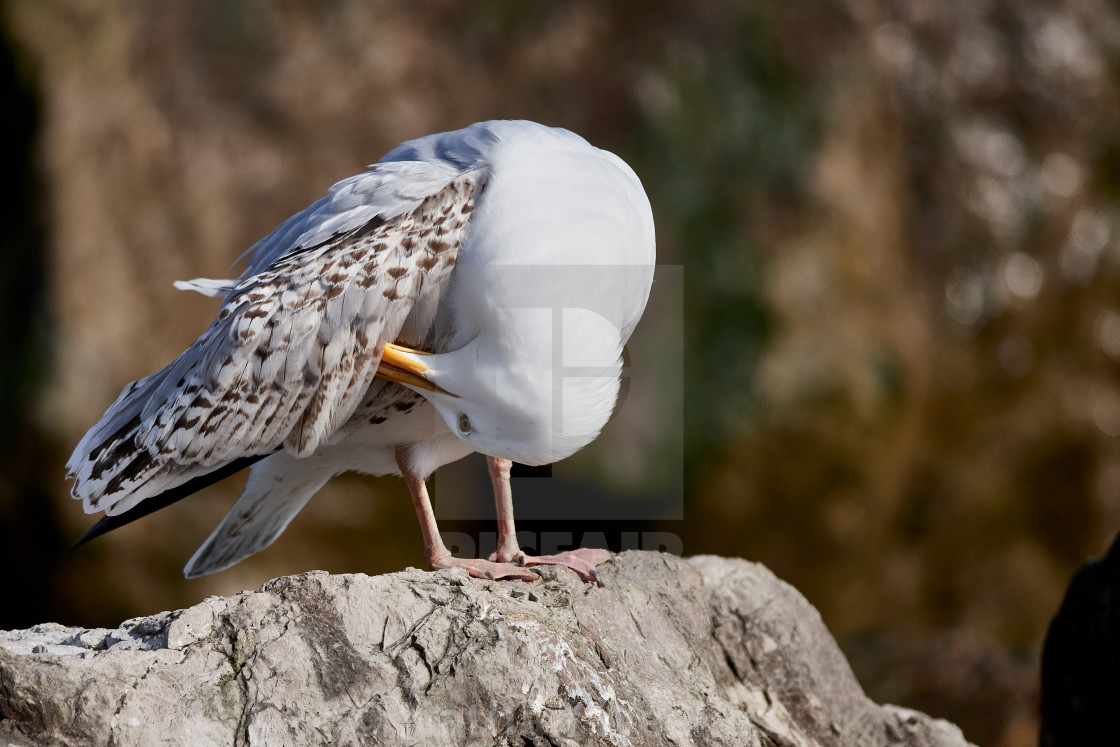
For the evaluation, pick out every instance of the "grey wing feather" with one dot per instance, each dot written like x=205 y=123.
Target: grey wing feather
x=277 y=489
x=386 y=192
x=296 y=343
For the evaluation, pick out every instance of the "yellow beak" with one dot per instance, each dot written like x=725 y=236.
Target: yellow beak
x=397 y=365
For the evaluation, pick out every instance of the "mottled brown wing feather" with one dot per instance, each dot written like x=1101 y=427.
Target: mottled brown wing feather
x=287 y=361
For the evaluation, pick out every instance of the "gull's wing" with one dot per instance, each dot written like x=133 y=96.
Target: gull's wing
x=297 y=341
x=278 y=487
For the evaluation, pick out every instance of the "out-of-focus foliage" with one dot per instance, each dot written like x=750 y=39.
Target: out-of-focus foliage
x=898 y=226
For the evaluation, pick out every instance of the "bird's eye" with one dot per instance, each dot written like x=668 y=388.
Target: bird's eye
x=465 y=426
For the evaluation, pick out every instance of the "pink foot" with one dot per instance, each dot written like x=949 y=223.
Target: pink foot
x=484 y=568
x=582 y=561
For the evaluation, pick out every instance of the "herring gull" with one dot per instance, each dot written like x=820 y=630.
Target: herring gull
x=470 y=292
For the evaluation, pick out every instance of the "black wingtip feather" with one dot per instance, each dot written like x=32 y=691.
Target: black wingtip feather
x=166 y=498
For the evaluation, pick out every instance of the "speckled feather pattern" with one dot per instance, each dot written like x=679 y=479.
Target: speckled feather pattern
x=286 y=363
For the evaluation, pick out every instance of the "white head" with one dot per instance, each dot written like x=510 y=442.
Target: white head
x=527 y=416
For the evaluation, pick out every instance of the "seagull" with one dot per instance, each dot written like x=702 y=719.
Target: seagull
x=470 y=292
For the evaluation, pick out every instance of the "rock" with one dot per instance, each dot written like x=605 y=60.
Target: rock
x=704 y=651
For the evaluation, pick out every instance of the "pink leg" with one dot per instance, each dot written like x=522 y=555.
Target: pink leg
x=436 y=554
x=582 y=561
x=508 y=550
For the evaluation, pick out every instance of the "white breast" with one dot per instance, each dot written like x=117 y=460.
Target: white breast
x=554 y=272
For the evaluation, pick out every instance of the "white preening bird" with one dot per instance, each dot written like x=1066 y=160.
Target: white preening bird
x=471 y=292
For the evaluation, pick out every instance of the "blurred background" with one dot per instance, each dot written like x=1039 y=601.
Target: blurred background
x=897 y=222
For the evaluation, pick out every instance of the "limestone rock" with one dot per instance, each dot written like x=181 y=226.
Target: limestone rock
x=704 y=651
